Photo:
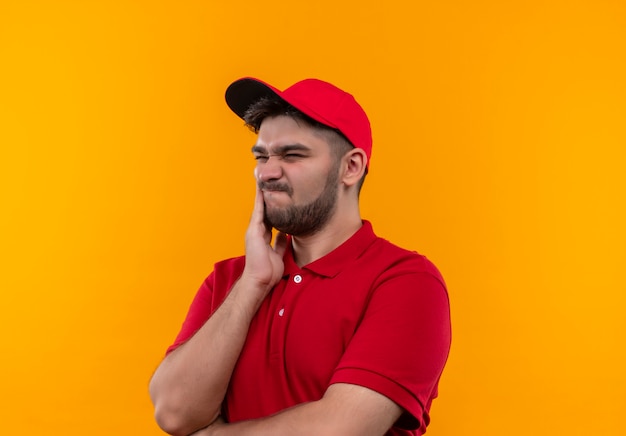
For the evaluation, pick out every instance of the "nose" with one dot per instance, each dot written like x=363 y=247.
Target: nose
x=269 y=170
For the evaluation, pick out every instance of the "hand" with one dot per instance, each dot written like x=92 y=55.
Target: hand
x=264 y=263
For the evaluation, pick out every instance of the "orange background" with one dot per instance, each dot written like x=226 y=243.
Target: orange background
x=499 y=132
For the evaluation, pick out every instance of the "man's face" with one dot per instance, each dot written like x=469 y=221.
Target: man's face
x=297 y=174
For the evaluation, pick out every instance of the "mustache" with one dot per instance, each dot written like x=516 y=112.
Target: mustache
x=275 y=186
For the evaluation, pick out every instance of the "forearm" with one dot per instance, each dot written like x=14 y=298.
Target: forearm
x=188 y=387
x=345 y=410
x=286 y=423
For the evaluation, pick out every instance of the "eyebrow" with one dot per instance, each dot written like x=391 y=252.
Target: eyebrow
x=282 y=149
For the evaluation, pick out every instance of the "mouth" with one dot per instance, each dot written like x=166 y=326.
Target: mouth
x=267 y=188
x=270 y=194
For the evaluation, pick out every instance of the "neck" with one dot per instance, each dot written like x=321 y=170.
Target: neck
x=339 y=229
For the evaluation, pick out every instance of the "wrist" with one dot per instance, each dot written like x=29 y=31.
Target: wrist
x=255 y=284
x=247 y=294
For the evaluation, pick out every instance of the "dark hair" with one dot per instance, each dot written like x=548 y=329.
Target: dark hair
x=267 y=107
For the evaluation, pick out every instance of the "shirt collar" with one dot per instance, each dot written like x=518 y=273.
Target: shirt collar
x=332 y=263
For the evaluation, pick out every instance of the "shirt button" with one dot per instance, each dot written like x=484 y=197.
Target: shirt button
x=281 y=312
x=297 y=278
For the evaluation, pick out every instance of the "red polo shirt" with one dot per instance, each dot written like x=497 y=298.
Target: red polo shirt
x=368 y=313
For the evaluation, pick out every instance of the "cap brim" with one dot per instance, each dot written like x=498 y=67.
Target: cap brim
x=243 y=92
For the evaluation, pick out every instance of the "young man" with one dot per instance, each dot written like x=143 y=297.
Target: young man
x=330 y=330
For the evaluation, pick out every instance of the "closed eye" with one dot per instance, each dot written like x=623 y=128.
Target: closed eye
x=293 y=156
x=286 y=156
x=288 y=153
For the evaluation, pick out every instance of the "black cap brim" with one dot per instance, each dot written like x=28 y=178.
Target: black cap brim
x=244 y=92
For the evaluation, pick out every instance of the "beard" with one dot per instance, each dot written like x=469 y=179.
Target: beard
x=306 y=219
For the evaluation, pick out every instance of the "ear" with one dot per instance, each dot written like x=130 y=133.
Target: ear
x=355 y=162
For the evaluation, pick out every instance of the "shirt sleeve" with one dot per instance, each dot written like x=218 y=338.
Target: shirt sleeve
x=208 y=298
x=198 y=313
x=401 y=345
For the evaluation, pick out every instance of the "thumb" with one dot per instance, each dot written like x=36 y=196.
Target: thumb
x=280 y=243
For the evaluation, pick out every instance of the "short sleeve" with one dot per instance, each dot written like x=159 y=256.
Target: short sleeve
x=402 y=344
x=198 y=313
x=208 y=298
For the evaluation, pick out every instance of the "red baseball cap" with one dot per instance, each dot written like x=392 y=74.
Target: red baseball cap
x=319 y=100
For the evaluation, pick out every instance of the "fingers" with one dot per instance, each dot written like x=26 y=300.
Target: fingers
x=258 y=225
x=258 y=212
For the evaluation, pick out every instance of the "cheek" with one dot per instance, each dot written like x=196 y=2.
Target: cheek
x=308 y=189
